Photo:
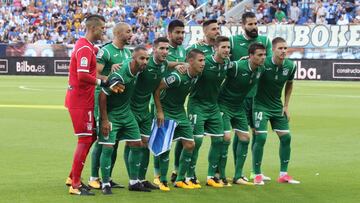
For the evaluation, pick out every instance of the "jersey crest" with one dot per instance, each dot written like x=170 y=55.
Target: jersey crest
x=84 y=62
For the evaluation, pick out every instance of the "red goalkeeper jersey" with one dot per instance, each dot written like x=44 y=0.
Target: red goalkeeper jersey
x=80 y=95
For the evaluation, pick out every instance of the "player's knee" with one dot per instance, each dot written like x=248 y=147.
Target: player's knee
x=285 y=139
x=261 y=139
x=243 y=136
x=189 y=145
x=227 y=137
x=145 y=140
x=134 y=144
x=86 y=139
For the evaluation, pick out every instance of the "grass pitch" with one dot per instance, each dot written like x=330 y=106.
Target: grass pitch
x=37 y=146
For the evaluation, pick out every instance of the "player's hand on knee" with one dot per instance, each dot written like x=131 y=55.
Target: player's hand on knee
x=105 y=128
x=116 y=67
x=160 y=118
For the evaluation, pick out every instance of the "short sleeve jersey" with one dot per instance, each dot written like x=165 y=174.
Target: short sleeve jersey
x=205 y=48
x=271 y=84
x=239 y=81
x=83 y=59
x=109 y=55
x=119 y=104
x=207 y=88
x=239 y=46
x=146 y=84
x=178 y=87
x=177 y=54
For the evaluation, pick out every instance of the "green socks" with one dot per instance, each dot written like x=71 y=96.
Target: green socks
x=284 y=151
x=95 y=159
x=214 y=155
x=258 y=151
x=177 y=154
x=134 y=159
x=185 y=160
x=223 y=158
x=105 y=163
x=156 y=166
x=241 y=153
x=126 y=158
x=234 y=147
x=144 y=163
x=164 y=165
x=113 y=157
x=194 y=157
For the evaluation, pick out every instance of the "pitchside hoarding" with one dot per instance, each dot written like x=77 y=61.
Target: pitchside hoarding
x=307 y=69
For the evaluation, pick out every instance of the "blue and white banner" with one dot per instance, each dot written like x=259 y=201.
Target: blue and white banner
x=161 y=138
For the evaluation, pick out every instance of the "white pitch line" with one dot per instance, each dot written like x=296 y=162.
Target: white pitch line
x=42 y=89
x=330 y=95
x=27 y=106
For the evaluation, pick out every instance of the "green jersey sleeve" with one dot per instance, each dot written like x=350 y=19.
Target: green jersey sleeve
x=172 y=80
x=103 y=56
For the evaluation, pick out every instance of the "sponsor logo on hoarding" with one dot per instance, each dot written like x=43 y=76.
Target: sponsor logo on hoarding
x=61 y=67
x=3 y=66
x=346 y=70
x=25 y=67
x=306 y=73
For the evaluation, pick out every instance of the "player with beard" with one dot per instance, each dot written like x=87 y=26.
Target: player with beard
x=177 y=53
x=109 y=57
x=239 y=48
x=211 y=30
x=118 y=123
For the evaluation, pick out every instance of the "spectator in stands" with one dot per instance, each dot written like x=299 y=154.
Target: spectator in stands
x=294 y=13
x=331 y=12
x=343 y=20
x=320 y=12
x=357 y=17
x=280 y=14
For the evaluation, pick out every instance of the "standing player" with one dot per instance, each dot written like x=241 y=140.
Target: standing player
x=177 y=53
x=147 y=82
x=204 y=112
x=239 y=48
x=80 y=98
x=110 y=56
x=279 y=72
x=175 y=87
x=211 y=30
x=241 y=78
x=118 y=122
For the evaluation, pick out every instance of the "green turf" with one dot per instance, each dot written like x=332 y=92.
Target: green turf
x=37 y=146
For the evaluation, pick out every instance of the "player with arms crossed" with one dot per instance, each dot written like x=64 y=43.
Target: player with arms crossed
x=117 y=121
x=241 y=78
x=175 y=87
x=279 y=72
x=239 y=49
x=109 y=57
x=80 y=98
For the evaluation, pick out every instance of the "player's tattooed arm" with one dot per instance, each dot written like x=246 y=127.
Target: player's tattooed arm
x=105 y=124
x=288 y=91
x=160 y=113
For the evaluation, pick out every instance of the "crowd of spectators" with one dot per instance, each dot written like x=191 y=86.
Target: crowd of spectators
x=305 y=12
x=61 y=21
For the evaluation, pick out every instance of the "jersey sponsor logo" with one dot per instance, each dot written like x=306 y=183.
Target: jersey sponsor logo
x=100 y=54
x=84 y=62
x=170 y=79
x=244 y=74
x=212 y=67
x=258 y=75
x=162 y=68
x=115 y=55
x=181 y=54
x=242 y=44
x=285 y=72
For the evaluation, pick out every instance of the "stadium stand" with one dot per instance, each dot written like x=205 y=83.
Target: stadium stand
x=61 y=21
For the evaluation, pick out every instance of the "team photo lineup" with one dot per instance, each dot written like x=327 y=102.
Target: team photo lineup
x=226 y=89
